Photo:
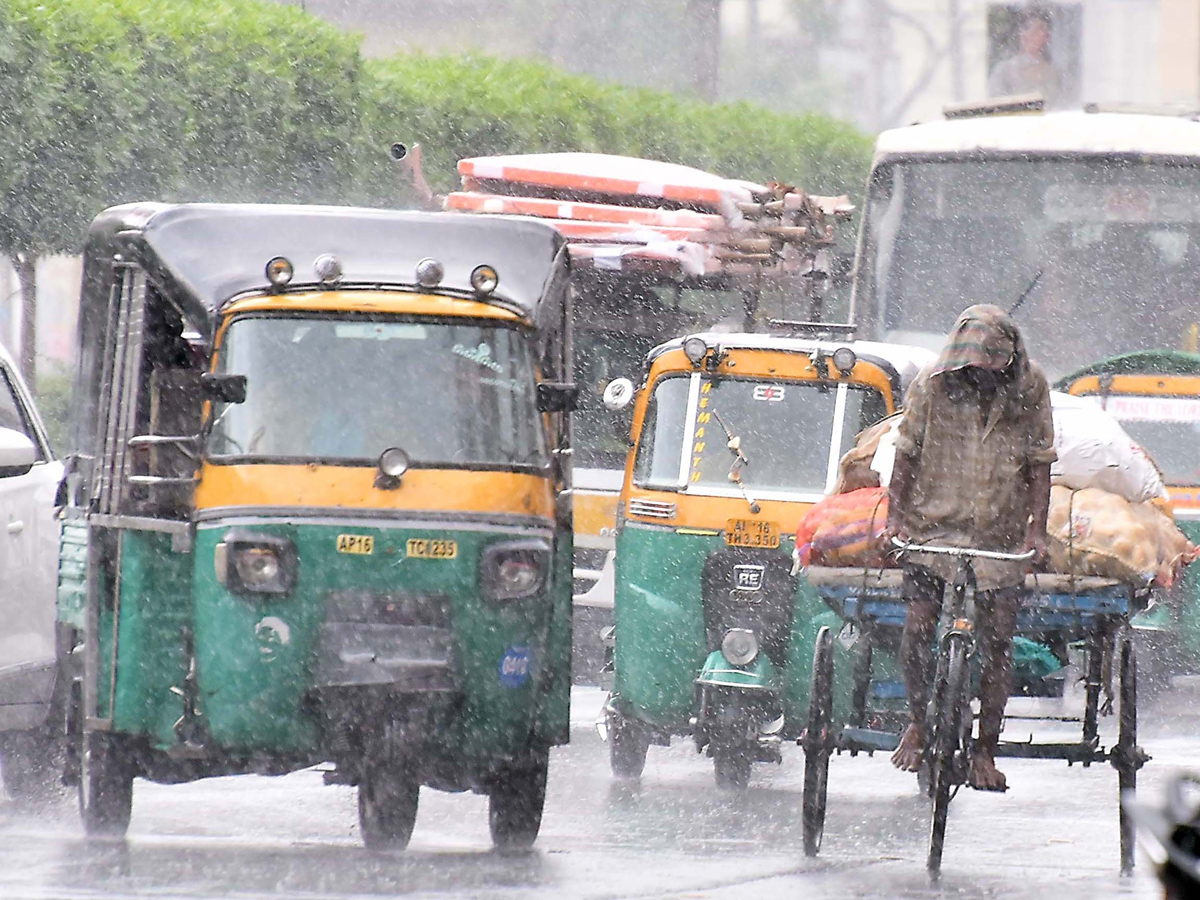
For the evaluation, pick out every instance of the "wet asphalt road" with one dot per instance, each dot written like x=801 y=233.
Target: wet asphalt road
x=1053 y=835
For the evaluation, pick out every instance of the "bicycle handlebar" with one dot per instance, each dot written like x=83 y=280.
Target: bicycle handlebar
x=962 y=551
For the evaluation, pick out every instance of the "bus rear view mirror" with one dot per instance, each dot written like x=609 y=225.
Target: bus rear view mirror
x=555 y=396
x=225 y=388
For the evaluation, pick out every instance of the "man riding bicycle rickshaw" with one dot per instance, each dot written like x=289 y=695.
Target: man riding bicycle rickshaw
x=972 y=470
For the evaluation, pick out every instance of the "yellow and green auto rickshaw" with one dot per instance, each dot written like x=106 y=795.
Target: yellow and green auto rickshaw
x=1155 y=394
x=735 y=437
x=317 y=507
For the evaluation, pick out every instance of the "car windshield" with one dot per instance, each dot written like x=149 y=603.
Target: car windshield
x=1169 y=430
x=343 y=390
x=1117 y=246
x=790 y=434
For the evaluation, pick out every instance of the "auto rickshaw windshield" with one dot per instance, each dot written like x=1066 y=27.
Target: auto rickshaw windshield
x=784 y=431
x=344 y=390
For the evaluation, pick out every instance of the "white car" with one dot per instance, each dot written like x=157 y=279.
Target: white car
x=29 y=478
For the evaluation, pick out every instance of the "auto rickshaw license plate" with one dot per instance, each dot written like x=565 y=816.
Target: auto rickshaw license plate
x=360 y=544
x=424 y=548
x=751 y=533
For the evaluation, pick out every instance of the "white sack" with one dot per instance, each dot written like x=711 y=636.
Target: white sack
x=884 y=459
x=1094 y=451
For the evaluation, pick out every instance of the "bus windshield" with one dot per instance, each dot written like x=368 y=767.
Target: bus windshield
x=343 y=391
x=1169 y=430
x=790 y=434
x=1115 y=243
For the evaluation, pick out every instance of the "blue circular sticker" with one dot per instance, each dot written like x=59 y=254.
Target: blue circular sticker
x=514 y=666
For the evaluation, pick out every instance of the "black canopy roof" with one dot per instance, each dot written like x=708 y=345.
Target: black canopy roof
x=212 y=252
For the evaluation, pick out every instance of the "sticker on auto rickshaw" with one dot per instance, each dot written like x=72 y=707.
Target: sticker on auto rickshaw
x=750 y=533
x=424 y=548
x=360 y=544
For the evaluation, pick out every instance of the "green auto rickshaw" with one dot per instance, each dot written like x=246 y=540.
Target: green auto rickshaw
x=1155 y=395
x=317 y=507
x=735 y=437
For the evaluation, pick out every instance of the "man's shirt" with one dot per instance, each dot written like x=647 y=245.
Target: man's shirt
x=970 y=482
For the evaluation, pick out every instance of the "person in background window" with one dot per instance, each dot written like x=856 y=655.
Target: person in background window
x=1030 y=70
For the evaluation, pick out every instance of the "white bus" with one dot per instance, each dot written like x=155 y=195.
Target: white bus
x=1093 y=218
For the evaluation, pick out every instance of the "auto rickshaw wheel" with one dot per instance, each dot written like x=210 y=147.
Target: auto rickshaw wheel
x=515 y=804
x=31 y=763
x=817 y=742
x=105 y=785
x=388 y=794
x=731 y=765
x=627 y=746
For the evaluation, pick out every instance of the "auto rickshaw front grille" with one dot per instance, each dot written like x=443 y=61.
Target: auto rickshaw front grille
x=766 y=608
x=651 y=509
x=388 y=608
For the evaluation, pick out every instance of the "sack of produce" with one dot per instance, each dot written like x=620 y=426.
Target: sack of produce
x=1174 y=549
x=1094 y=532
x=855 y=470
x=843 y=529
x=1094 y=451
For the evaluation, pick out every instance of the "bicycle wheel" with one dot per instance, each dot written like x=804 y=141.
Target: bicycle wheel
x=947 y=741
x=817 y=743
x=1126 y=756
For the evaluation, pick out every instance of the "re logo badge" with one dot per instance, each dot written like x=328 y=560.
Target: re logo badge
x=748 y=578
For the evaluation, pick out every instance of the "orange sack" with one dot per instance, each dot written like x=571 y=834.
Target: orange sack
x=843 y=529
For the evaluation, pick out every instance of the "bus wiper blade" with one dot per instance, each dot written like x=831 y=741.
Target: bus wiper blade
x=739 y=459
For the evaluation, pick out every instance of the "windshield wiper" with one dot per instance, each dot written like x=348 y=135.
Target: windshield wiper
x=739 y=460
x=1029 y=290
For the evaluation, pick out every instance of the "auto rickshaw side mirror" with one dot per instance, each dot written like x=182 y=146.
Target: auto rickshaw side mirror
x=17 y=453
x=224 y=388
x=618 y=394
x=557 y=396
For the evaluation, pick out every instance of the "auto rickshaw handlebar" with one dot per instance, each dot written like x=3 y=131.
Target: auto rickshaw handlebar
x=962 y=551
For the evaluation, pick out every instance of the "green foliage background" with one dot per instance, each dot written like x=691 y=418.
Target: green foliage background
x=109 y=101
x=476 y=106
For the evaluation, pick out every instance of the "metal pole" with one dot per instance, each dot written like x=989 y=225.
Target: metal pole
x=956 y=61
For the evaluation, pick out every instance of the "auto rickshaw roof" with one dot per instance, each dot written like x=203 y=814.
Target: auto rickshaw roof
x=1141 y=362
x=213 y=252
x=901 y=362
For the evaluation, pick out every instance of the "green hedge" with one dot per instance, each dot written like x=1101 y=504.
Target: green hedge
x=477 y=106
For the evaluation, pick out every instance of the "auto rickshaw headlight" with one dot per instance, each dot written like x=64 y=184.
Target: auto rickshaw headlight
x=328 y=268
x=393 y=462
x=695 y=349
x=430 y=272
x=739 y=646
x=844 y=359
x=256 y=564
x=279 y=272
x=484 y=279
x=514 y=570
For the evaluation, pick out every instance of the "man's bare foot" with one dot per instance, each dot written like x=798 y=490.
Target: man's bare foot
x=983 y=774
x=910 y=751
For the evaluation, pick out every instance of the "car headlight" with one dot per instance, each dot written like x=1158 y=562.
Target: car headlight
x=513 y=570
x=739 y=646
x=256 y=563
